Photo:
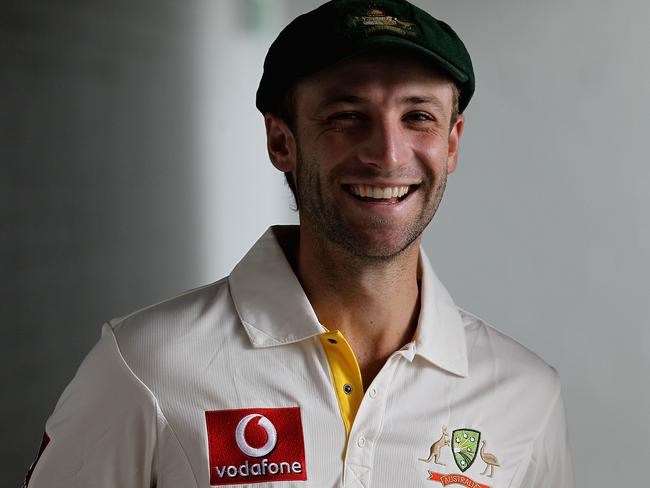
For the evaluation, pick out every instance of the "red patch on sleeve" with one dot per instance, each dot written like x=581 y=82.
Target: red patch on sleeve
x=44 y=443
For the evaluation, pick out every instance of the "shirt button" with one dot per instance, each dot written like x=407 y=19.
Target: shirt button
x=361 y=441
x=372 y=392
x=347 y=389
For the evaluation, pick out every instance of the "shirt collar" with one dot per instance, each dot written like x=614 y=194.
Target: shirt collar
x=275 y=310
x=268 y=296
x=440 y=335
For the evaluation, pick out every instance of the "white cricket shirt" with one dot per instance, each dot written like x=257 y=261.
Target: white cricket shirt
x=238 y=384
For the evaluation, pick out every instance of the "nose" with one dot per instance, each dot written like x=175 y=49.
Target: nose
x=384 y=145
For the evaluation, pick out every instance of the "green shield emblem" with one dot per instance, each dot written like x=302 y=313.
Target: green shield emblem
x=465 y=446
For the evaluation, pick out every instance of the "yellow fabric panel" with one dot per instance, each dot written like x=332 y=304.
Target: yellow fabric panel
x=346 y=375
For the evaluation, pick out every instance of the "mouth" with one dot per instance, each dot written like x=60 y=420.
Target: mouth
x=380 y=194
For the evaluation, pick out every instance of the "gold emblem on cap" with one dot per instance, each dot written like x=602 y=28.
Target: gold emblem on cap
x=376 y=19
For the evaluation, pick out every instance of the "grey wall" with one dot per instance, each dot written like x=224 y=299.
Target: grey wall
x=241 y=193
x=127 y=129
x=544 y=228
x=97 y=200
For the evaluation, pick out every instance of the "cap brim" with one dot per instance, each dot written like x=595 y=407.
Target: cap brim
x=382 y=42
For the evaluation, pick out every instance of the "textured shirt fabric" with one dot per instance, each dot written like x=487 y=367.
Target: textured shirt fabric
x=461 y=402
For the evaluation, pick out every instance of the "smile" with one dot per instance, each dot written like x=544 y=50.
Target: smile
x=380 y=193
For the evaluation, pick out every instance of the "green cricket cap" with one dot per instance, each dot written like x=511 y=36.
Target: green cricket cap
x=340 y=29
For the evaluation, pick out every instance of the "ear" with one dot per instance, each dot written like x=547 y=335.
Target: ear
x=280 y=143
x=454 y=143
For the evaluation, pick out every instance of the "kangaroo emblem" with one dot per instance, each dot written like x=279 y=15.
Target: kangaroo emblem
x=436 y=447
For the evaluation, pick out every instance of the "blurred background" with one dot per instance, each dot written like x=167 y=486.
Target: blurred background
x=133 y=167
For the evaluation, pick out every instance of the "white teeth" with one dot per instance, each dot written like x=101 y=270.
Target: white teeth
x=379 y=193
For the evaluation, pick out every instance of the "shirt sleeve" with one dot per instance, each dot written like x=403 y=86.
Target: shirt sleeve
x=104 y=429
x=550 y=465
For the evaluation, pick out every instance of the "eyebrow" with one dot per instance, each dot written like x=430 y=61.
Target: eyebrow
x=418 y=100
x=336 y=98
x=333 y=99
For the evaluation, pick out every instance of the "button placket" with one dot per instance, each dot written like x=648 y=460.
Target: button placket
x=368 y=423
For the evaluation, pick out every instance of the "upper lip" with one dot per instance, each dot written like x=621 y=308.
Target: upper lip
x=380 y=184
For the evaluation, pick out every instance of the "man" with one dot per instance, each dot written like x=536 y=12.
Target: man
x=331 y=355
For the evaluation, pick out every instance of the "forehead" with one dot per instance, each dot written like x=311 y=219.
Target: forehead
x=385 y=71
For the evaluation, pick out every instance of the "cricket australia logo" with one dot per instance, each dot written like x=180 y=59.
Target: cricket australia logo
x=466 y=446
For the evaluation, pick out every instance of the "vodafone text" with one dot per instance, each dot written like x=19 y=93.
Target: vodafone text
x=258 y=469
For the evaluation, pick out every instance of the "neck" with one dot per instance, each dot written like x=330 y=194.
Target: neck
x=374 y=303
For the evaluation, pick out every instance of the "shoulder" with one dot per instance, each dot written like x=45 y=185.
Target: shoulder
x=178 y=334
x=179 y=317
x=129 y=343
x=517 y=392
x=511 y=364
x=184 y=308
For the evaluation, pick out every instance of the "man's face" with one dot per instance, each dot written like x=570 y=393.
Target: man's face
x=373 y=148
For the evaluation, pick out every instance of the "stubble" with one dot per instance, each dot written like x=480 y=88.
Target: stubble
x=321 y=211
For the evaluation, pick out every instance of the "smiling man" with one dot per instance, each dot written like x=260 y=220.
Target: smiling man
x=369 y=150
x=332 y=355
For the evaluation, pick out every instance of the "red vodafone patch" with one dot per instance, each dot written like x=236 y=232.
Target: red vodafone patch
x=255 y=445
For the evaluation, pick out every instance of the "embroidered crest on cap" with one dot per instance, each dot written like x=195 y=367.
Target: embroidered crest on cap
x=376 y=20
x=255 y=445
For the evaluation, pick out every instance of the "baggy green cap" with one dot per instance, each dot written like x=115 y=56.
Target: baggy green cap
x=342 y=28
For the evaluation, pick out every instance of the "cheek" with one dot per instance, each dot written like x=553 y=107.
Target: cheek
x=312 y=168
x=433 y=155
x=328 y=156
x=336 y=145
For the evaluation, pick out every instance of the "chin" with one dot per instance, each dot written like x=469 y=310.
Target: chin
x=376 y=245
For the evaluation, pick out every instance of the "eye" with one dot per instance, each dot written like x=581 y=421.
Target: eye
x=419 y=117
x=342 y=116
